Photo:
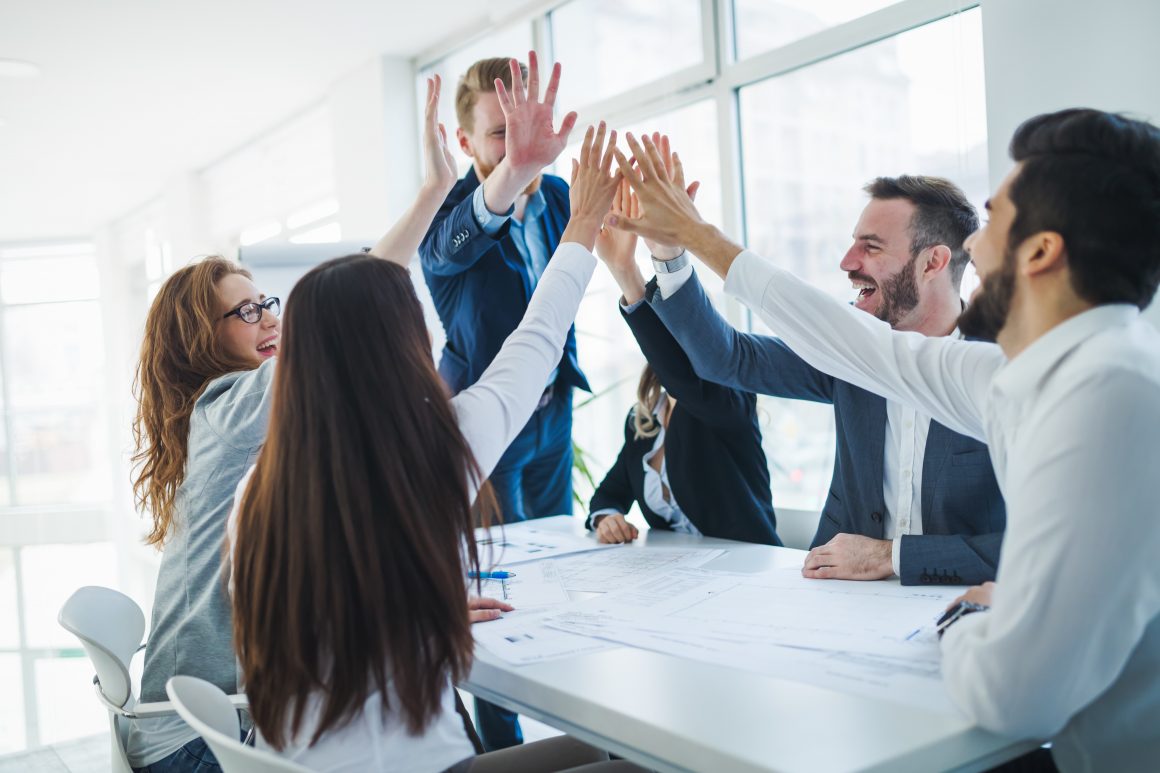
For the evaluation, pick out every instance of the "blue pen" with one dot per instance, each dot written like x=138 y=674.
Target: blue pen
x=490 y=575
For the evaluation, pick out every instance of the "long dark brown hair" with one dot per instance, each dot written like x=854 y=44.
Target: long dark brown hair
x=356 y=531
x=180 y=355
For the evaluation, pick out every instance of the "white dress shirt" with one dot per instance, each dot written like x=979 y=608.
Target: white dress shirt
x=656 y=484
x=490 y=413
x=903 y=453
x=1070 y=649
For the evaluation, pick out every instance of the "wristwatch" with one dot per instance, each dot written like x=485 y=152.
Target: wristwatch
x=671 y=266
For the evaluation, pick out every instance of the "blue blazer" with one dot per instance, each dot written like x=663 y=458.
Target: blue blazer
x=480 y=286
x=963 y=514
x=717 y=468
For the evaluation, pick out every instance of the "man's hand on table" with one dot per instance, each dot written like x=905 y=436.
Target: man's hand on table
x=850 y=557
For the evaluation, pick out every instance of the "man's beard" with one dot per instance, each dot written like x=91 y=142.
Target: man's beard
x=485 y=172
x=987 y=312
x=899 y=293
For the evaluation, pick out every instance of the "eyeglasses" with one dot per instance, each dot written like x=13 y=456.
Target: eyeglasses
x=252 y=312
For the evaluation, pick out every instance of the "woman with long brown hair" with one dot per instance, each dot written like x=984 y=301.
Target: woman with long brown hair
x=204 y=394
x=353 y=535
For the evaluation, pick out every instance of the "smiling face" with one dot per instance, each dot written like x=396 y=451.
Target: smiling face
x=879 y=263
x=254 y=343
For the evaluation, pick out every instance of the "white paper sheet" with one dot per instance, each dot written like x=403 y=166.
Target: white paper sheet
x=514 y=544
x=535 y=584
x=867 y=638
x=607 y=572
x=522 y=638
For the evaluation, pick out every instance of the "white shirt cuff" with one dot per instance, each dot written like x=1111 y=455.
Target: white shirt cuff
x=629 y=308
x=668 y=284
x=488 y=220
x=896 y=556
x=598 y=513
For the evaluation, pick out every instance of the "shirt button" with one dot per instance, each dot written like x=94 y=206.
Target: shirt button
x=876 y=517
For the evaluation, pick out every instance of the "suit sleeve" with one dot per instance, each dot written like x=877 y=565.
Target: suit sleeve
x=722 y=354
x=966 y=560
x=712 y=403
x=456 y=239
x=615 y=491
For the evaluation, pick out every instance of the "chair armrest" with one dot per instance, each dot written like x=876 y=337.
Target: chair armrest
x=151 y=710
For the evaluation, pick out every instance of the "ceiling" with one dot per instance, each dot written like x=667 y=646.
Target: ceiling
x=133 y=92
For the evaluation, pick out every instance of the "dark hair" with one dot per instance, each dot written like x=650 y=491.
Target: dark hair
x=1093 y=178
x=942 y=214
x=355 y=533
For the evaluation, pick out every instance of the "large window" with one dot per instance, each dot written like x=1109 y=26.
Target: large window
x=811 y=139
x=783 y=110
x=55 y=481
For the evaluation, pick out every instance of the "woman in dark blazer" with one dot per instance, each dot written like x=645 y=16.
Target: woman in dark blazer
x=692 y=458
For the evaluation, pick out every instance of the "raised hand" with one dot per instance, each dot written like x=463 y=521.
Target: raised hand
x=657 y=249
x=593 y=186
x=531 y=142
x=615 y=247
x=441 y=172
x=666 y=209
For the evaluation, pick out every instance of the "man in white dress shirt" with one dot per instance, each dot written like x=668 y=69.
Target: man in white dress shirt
x=1068 y=647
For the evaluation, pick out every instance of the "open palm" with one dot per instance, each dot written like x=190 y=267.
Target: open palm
x=532 y=143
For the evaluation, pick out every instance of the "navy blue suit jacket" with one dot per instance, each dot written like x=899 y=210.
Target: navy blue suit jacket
x=963 y=513
x=716 y=466
x=480 y=284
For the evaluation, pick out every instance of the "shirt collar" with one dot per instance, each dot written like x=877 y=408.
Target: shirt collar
x=535 y=207
x=1024 y=374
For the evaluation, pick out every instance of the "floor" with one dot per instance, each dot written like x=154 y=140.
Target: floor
x=91 y=755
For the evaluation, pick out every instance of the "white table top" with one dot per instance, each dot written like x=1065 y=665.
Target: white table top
x=673 y=714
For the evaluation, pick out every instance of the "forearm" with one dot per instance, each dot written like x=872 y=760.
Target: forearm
x=504 y=185
x=631 y=283
x=713 y=248
x=583 y=230
x=401 y=243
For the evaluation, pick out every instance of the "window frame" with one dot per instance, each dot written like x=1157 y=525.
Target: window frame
x=719 y=77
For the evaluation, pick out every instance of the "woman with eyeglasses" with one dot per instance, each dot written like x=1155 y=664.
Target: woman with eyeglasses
x=204 y=392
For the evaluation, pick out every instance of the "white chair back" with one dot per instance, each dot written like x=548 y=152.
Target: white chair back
x=110 y=626
x=208 y=711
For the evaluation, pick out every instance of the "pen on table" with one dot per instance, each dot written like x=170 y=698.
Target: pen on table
x=490 y=575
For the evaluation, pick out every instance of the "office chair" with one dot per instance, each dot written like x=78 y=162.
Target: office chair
x=209 y=711
x=110 y=626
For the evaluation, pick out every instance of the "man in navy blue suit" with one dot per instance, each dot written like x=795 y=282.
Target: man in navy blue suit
x=482 y=257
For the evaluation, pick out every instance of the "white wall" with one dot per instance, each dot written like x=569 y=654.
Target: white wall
x=1045 y=55
x=374 y=125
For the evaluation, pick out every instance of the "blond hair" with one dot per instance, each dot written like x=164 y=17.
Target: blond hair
x=648 y=394
x=480 y=79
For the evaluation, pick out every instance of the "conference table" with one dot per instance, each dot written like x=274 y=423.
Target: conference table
x=673 y=714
